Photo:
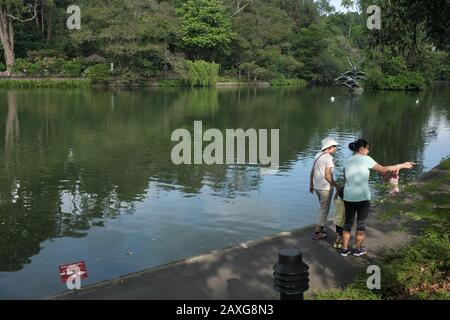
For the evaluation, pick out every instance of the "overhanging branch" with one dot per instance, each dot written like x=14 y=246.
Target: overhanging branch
x=25 y=20
x=240 y=9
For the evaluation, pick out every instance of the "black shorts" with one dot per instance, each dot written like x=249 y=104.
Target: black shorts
x=358 y=209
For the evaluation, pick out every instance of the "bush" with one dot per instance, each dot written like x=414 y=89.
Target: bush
x=130 y=78
x=394 y=66
x=407 y=81
x=288 y=82
x=202 y=73
x=434 y=65
x=36 y=55
x=48 y=66
x=98 y=73
x=23 y=66
x=386 y=72
x=167 y=83
x=72 y=68
x=375 y=78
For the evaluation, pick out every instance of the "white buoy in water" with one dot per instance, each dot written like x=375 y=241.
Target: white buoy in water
x=417 y=101
x=332 y=99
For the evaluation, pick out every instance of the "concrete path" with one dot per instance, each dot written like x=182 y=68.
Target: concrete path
x=245 y=271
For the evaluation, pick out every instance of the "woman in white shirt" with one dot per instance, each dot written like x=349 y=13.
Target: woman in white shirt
x=322 y=182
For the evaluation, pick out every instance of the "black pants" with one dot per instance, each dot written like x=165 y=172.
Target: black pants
x=339 y=230
x=358 y=209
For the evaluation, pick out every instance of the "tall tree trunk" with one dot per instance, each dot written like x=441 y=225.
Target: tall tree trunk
x=50 y=25
x=42 y=20
x=7 y=37
x=412 y=54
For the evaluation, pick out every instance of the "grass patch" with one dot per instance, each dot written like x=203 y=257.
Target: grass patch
x=170 y=83
x=288 y=82
x=45 y=83
x=416 y=271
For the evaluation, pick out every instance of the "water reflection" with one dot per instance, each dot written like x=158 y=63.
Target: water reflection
x=79 y=158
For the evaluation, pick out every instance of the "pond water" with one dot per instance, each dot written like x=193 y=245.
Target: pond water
x=87 y=174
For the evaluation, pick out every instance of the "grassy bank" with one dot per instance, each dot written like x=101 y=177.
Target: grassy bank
x=421 y=269
x=45 y=83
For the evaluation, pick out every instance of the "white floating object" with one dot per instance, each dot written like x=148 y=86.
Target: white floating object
x=332 y=99
x=269 y=171
x=417 y=101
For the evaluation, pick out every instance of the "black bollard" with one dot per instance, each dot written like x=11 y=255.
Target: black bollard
x=291 y=276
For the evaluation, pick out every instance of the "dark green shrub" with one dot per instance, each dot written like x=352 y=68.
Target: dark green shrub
x=375 y=78
x=167 y=83
x=27 y=68
x=98 y=73
x=288 y=82
x=72 y=68
x=406 y=81
x=394 y=66
x=130 y=78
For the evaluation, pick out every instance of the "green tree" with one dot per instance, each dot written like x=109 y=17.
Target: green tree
x=135 y=34
x=11 y=12
x=325 y=8
x=205 y=29
x=261 y=48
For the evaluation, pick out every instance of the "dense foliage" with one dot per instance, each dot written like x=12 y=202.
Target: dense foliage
x=252 y=40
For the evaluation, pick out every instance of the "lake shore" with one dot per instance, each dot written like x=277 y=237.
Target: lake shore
x=60 y=82
x=245 y=271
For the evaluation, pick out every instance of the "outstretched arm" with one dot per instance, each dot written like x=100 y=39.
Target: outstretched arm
x=383 y=169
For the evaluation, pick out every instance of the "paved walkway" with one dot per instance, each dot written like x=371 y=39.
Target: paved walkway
x=245 y=271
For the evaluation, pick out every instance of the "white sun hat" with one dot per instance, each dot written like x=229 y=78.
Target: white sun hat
x=328 y=142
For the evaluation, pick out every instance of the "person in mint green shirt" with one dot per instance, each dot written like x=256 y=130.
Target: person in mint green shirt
x=357 y=193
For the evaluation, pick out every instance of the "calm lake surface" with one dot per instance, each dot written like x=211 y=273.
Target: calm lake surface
x=87 y=175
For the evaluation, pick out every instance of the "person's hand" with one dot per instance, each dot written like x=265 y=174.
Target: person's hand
x=408 y=165
x=311 y=188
